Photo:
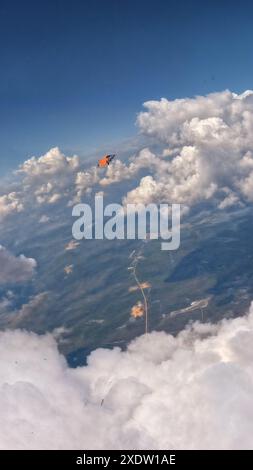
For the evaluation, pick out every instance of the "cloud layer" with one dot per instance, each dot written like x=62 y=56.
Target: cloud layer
x=193 y=391
x=205 y=154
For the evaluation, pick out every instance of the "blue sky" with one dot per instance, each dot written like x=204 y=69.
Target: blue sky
x=75 y=73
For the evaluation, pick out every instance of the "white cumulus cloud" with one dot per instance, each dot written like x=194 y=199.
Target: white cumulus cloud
x=49 y=177
x=53 y=162
x=10 y=203
x=207 y=144
x=193 y=391
x=15 y=268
